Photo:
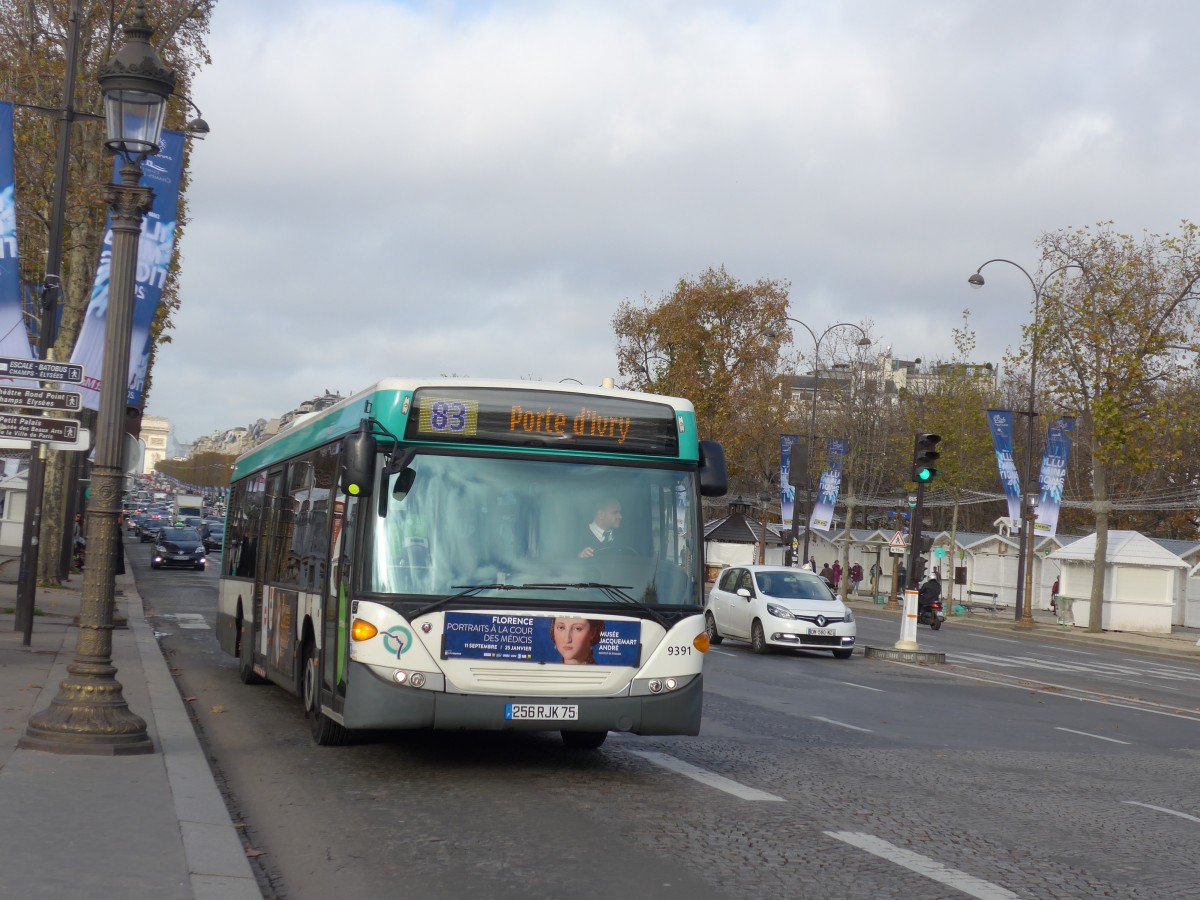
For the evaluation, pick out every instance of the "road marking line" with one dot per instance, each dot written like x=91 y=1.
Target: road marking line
x=1083 y=652
x=1071 y=693
x=1158 y=665
x=988 y=637
x=1098 y=737
x=191 y=620
x=1163 y=809
x=712 y=779
x=863 y=686
x=923 y=865
x=840 y=724
x=722 y=652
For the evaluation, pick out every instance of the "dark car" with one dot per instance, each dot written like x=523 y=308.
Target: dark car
x=213 y=535
x=178 y=547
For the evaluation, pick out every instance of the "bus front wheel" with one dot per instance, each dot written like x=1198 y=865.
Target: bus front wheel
x=583 y=740
x=325 y=731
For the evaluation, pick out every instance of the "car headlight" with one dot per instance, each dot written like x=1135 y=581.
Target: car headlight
x=779 y=612
x=200 y=549
x=849 y=615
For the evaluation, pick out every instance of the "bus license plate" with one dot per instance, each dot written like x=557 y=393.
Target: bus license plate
x=828 y=631
x=540 y=712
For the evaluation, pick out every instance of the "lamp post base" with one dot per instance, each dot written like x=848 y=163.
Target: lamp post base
x=1025 y=623
x=88 y=717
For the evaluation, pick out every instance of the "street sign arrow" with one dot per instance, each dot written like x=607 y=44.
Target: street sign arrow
x=35 y=428
x=39 y=398
x=40 y=370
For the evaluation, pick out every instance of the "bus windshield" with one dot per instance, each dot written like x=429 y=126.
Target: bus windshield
x=455 y=522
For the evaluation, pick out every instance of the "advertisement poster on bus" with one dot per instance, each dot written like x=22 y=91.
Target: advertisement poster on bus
x=831 y=483
x=519 y=637
x=160 y=172
x=14 y=338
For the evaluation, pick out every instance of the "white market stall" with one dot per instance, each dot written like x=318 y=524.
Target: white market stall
x=1139 y=582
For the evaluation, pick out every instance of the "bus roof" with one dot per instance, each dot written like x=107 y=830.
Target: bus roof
x=384 y=401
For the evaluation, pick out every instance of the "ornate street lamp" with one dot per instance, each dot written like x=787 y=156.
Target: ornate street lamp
x=89 y=715
x=1024 y=610
x=864 y=341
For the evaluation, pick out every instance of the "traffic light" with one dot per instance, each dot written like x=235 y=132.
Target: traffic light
x=925 y=457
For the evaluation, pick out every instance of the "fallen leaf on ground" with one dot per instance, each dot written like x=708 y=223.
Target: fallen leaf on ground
x=250 y=851
x=190 y=699
x=218 y=708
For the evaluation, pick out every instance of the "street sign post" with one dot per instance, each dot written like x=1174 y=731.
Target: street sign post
x=40 y=370
x=35 y=428
x=40 y=398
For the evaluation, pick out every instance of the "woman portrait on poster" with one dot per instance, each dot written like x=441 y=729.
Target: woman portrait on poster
x=576 y=639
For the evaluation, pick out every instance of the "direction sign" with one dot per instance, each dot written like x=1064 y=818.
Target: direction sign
x=38 y=398
x=35 y=428
x=40 y=370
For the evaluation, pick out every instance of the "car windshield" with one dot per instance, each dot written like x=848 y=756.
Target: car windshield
x=180 y=534
x=790 y=585
x=466 y=521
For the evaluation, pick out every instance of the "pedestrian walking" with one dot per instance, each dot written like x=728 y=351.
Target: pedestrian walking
x=1054 y=597
x=856 y=576
x=837 y=574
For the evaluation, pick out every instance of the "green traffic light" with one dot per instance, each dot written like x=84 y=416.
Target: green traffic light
x=924 y=474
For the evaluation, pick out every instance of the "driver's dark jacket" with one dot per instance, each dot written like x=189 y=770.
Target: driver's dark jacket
x=929 y=592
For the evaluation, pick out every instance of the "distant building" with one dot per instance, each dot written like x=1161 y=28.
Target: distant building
x=155 y=431
x=241 y=438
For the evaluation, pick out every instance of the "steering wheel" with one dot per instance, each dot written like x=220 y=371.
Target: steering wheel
x=616 y=550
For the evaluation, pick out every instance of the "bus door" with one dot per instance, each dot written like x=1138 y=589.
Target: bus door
x=335 y=618
x=275 y=582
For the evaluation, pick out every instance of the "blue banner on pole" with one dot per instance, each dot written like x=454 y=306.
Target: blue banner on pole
x=14 y=337
x=1054 y=475
x=787 y=500
x=831 y=482
x=1001 y=423
x=162 y=173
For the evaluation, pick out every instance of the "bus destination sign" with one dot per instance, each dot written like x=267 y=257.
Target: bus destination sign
x=543 y=419
x=35 y=428
x=38 y=398
x=40 y=370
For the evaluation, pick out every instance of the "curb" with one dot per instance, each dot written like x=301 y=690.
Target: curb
x=1162 y=646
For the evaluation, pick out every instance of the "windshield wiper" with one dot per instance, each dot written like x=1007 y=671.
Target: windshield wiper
x=470 y=590
x=612 y=591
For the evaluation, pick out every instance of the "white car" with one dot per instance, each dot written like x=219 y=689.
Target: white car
x=774 y=606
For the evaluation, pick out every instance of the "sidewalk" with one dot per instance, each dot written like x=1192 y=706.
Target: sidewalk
x=148 y=826
x=1181 y=642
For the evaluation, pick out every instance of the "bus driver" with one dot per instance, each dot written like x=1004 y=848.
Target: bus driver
x=600 y=531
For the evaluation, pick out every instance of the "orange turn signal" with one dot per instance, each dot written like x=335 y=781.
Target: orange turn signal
x=363 y=630
x=701 y=642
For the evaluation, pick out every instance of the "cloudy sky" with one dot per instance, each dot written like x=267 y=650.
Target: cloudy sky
x=471 y=188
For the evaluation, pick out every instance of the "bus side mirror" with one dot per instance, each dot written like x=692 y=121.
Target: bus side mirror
x=358 y=462
x=714 y=482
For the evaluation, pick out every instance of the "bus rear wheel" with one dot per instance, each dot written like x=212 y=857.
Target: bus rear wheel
x=246 y=657
x=583 y=740
x=325 y=731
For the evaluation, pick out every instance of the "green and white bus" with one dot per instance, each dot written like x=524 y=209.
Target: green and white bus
x=425 y=555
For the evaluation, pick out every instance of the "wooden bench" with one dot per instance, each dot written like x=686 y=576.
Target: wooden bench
x=986 y=602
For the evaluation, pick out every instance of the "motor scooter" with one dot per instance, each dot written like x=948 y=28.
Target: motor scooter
x=932 y=615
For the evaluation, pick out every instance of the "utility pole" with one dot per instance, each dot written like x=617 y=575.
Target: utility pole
x=51 y=294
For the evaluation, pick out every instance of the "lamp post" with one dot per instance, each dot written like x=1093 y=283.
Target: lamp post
x=864 y=341
x=1023 y=613
x=89 y=715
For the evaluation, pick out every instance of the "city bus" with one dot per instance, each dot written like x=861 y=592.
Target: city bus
x=424 y=555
